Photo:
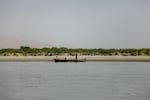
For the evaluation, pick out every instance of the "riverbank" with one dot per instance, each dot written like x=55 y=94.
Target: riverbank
x=88 y=58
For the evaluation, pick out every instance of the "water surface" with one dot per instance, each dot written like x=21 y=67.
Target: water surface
x=71 y=81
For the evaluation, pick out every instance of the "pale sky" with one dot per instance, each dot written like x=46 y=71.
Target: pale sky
x=78 y=23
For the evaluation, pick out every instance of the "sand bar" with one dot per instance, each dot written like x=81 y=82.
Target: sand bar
x=88 y=58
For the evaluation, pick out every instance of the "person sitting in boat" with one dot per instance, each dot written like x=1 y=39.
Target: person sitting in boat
x=65 y=58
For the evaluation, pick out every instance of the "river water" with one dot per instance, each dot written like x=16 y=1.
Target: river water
x=71 y=81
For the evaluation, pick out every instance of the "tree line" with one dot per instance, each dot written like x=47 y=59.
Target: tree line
x=28 y=51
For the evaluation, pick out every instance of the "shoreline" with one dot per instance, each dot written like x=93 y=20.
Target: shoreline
x=88 y=58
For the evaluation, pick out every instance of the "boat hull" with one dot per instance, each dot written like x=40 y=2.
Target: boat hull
x=69 y=60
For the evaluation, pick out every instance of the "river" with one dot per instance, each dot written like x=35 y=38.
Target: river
x=71 y=81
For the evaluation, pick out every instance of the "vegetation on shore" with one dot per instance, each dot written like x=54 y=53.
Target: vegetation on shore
x=27 y=51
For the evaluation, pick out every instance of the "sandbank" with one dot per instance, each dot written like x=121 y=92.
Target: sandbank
x=88 y=58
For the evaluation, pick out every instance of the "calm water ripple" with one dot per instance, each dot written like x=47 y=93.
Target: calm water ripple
x=71 y=81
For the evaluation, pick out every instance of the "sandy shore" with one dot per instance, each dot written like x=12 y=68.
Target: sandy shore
x=88 y=58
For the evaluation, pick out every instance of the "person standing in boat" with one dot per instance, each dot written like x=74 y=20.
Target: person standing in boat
x=76 y=56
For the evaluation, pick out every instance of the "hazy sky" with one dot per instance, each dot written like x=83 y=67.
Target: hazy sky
x=78 y=23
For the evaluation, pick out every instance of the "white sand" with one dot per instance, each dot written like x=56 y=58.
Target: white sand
x=88 y=58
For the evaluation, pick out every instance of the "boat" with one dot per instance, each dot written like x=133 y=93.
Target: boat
x=69 y=60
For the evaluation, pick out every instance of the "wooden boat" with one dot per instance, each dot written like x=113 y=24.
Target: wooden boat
x=69 y=60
